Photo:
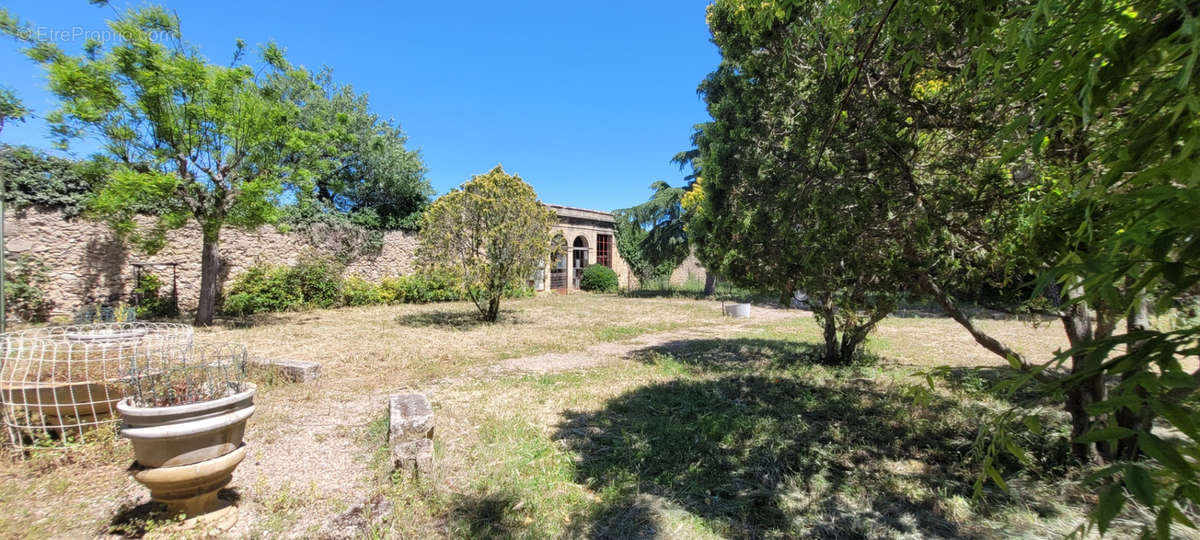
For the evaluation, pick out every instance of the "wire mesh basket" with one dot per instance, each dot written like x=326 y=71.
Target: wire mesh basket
x=199 y=372
x=58 y=382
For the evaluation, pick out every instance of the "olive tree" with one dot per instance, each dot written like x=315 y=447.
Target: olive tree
x=490 y=233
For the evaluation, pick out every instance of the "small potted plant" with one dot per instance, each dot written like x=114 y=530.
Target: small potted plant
x=185 y=413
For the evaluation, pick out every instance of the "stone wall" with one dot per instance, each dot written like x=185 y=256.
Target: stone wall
x=88 y=264
x=688 y=271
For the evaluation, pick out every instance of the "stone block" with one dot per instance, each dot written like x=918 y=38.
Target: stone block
x=291 y=370
x=410 y=433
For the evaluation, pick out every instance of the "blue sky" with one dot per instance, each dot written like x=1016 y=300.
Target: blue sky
x=587 y=101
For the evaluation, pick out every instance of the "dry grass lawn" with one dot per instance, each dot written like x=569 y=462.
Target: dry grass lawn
x=588 y=415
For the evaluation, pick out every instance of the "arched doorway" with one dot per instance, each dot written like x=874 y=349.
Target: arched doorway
x=579 y=259
x=558 y=268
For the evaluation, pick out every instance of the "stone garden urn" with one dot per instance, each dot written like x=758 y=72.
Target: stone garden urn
x=187 y=453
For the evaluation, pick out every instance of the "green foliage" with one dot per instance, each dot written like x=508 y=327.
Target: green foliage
x=153 y=302
x=313 y=282
x=34 y=178
x=946 y=147
x=11 y=106
x=599 y=278
x=24 y=282
x=318 y=279
x=333 y=232
x=357 y=291
x=651 y=236
x=357 y=167
x=317 y=282
x=792 y=199
x=423 y=288
x=262 y=289
x=1113 y=90
x=194 y=140
x=489 y=234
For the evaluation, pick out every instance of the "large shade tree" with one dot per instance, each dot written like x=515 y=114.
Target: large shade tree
x=1016 y=143
x=651 y=236
x=353 y=164
x=785 y=207
x=490 y=234
x=194 y=140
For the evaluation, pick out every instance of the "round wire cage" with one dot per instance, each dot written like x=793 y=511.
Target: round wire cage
x=197 y=372
x=59 y=382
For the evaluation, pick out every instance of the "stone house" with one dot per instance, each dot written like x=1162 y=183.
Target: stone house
x=586 y=237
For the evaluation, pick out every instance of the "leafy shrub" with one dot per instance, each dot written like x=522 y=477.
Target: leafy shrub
x=311 y=282
x=263 y=289
x=357 y=291
x=151 y=302
x=23 y=289
x=318 y=279
x=421 y=289
x=598 y=278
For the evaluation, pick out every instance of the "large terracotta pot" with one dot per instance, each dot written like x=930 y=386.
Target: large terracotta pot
x=186 y=434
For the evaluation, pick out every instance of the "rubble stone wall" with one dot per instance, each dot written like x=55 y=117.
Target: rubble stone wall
x=88 y=264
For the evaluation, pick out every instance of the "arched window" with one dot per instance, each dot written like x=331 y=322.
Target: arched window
x=579 y=258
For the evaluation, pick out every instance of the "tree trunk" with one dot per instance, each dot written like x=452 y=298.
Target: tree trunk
x=493 y=311
x=1127 y=448
x=988 y=342
x=210 y=266
x=710 y=283
x=825 y=310
x=1077 y=322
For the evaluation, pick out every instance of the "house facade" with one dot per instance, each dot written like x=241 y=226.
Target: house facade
x=585 y=237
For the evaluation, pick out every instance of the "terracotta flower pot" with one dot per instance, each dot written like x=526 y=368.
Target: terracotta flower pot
x=185 y=434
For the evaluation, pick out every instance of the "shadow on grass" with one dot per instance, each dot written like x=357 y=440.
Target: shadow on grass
x=741 y=354
x=457 y=320
x=488 y=516
x=264 y=319
x=755 y=456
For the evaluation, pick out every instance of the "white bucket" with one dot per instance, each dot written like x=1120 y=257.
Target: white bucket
x=738 y=311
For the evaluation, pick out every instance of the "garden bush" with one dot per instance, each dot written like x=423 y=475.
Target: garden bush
x=262 y=289
x=357 y=291
x=152 y=303
x=318 y=283
x=23 y=289
x=598 y=278
x=318 y=279
x=422 y=288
